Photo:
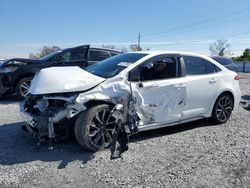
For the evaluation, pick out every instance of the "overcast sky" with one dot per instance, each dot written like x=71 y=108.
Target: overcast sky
x=27 y=25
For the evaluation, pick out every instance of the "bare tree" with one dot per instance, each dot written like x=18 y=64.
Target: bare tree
x=220 y=47
x=135 y=47
x=46 y=50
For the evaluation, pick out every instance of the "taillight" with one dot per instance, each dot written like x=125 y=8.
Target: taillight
x=237 y=77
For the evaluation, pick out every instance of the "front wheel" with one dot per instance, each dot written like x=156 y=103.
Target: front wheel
x=223 y=108
x=95 y=128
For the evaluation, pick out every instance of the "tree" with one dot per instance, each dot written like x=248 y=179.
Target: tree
x=220 y=47
x=244 y=57
x=44 y=51
x=135 y=47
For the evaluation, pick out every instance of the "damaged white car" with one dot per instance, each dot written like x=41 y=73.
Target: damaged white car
x=131 y=92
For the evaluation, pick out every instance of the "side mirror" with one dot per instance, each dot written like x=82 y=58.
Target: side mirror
x=134 y=75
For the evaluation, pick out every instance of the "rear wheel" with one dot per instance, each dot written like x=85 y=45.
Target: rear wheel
x=22 y=88
x=223 y=108
x=95 y=129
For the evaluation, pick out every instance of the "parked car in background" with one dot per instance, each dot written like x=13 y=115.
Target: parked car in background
x=16 y=74
x=1 y=61
x=226 y=62
x=139 y=91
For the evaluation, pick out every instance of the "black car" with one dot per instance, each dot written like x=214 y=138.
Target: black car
x=16 y=74
x=226 y=62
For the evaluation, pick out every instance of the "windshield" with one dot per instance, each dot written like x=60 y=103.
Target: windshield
x=223 y=61
x=51 y=55
x=114 y=65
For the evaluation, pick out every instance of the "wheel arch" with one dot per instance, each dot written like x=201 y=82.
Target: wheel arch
x=21 y=77
x=92 y=103
x=229 y=92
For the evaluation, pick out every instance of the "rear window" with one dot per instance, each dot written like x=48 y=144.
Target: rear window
x=223 y=60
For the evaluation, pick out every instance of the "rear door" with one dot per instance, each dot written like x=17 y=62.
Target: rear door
x=159 y=91
x=74 y=57
x=202 y=84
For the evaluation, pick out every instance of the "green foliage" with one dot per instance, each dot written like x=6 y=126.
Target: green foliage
x=219 y=47
x=244 y=57
x=44 y=51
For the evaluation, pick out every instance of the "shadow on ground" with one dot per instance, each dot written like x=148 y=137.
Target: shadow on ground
x=9 y=100
x=17 y=147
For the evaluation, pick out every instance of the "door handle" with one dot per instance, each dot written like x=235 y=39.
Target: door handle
x=152 y=86
x=180 y=85
x=212 y=80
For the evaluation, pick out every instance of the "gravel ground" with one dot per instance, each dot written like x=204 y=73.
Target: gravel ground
x=189 y=155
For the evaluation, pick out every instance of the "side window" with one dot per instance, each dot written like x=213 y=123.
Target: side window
x=97 y=55
x=73 y=55
x=194 y=65
x=163 y=68
x=210 y=67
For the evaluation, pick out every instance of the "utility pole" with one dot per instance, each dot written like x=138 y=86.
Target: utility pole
x=139 y=40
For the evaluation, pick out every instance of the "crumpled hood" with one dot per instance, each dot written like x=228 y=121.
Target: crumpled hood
x=62 y=80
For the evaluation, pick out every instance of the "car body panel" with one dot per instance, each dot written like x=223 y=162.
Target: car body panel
x=63 y=79
x=159 y=101
x=201 y=92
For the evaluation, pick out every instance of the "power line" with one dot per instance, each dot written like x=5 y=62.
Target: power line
x=201 y=22
x=194 y=24
x=198 y=27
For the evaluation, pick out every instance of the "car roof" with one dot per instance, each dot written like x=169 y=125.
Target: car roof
x=162 y=52
x=95 y=48
x=180 y=53
x=106 y=49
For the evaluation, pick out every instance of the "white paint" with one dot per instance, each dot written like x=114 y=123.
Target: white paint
x=63 y=79
x=158 y=102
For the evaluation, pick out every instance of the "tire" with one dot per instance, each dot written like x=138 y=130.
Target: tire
x=222 y=109
x=22 y=87
x=91 y=131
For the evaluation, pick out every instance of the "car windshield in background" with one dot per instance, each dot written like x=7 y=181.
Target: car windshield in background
x=48 y=57
x=223 y=60
x=114 y=65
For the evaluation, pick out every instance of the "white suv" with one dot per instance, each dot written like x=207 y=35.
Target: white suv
x=138 y=91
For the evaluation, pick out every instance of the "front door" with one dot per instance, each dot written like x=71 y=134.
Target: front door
x=159 y=91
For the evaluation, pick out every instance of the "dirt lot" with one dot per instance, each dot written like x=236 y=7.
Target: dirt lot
x=189 y=155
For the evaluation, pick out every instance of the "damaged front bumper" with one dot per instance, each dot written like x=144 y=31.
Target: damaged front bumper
x=46 y=116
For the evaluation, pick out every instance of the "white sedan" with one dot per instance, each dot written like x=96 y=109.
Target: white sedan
x=137 y=91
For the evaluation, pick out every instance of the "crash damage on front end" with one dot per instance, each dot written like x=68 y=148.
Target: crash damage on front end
x=59 y=95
